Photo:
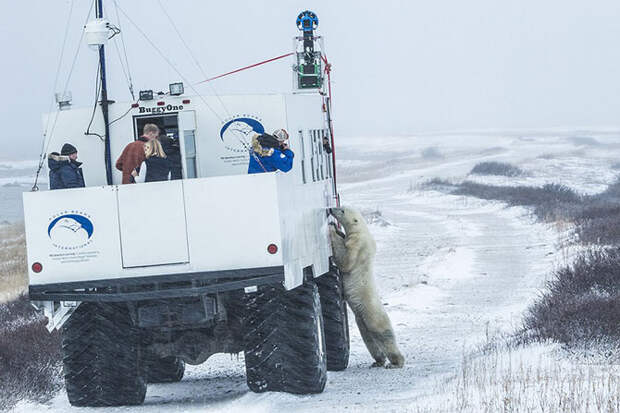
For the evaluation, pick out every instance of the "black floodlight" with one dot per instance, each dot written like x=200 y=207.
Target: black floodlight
x=176 y=89
x=146 y=95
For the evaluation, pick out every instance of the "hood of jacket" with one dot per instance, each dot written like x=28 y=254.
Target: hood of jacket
x=56 y=161
x=258 y=149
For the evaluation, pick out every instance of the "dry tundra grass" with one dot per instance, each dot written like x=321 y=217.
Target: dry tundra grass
x=13 y=265
x=536 y=379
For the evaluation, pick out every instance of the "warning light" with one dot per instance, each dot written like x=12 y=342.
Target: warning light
x=272 y=248
x=37 y=267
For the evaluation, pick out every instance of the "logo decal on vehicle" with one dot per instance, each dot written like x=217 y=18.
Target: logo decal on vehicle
x=236 y=133
x=70 y=230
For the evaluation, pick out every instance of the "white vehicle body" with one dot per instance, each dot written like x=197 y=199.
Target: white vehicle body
x=217 y=221
x=204 y=257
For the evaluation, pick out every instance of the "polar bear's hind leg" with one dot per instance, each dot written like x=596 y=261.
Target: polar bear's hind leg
x=380 y=329
x=373 y=347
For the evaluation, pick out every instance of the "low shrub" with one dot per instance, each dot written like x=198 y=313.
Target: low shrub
x=496 y=168
x=584 y=140
x=596 y=217
x=431 y=153
x=30 y=360
x=582 y=301
x=599 y=223
x=550 y=202
x=611 y=194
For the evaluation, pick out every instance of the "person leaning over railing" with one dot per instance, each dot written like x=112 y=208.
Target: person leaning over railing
x=270 y=153
x=133 y=154
x=156 y=167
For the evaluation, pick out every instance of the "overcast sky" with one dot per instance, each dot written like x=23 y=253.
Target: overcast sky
x=400 y=67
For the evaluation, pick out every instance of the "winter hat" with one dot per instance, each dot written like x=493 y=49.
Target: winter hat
x=280 y=134
x=68 y=149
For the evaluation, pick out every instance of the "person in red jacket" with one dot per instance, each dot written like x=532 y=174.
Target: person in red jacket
x=133 y=154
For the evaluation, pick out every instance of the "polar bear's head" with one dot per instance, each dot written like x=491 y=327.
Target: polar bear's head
x=349 y=218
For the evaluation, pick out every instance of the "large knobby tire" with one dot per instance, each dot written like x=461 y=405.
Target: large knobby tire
x=163 y=369
x=284 y=340
x=336 y=324
x=101 y=356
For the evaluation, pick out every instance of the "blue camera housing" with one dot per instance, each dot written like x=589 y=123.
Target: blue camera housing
x=307 y=21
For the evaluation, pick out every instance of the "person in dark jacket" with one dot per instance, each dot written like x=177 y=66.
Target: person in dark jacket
x=173 y=153
x=270 y=153
x=326 y=145
x=64 y=169
x=156 y=166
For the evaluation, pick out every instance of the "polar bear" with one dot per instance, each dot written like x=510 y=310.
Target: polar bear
x=354 y=253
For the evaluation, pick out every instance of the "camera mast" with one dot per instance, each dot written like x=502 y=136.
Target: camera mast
x=308 y=60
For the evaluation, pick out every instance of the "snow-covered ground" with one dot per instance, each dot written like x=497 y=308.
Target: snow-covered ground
x=451 y=270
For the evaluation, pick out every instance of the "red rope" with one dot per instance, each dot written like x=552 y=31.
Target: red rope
x=246 y=67
x=328 y=69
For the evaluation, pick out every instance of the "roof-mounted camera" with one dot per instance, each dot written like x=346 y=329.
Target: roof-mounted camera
x=307 y=21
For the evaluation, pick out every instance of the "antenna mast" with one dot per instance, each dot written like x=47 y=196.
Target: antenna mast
x=104 y=99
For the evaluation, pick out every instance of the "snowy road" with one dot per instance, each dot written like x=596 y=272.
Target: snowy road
x=450 y=270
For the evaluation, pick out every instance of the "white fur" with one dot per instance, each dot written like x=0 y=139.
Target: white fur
x=354 y=255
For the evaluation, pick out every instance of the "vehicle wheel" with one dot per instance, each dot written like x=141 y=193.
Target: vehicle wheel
x=284 y=340
x=336 y=324
x=163 y=369
x=101 y=357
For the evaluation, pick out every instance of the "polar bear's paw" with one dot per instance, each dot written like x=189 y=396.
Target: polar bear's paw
x=397 y=361
x=378 y=363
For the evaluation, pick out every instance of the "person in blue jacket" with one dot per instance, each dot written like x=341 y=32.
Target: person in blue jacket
x=270 y=153
x=64 y=169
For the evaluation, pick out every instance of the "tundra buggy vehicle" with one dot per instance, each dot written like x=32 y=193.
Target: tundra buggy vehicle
x=143 y=278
